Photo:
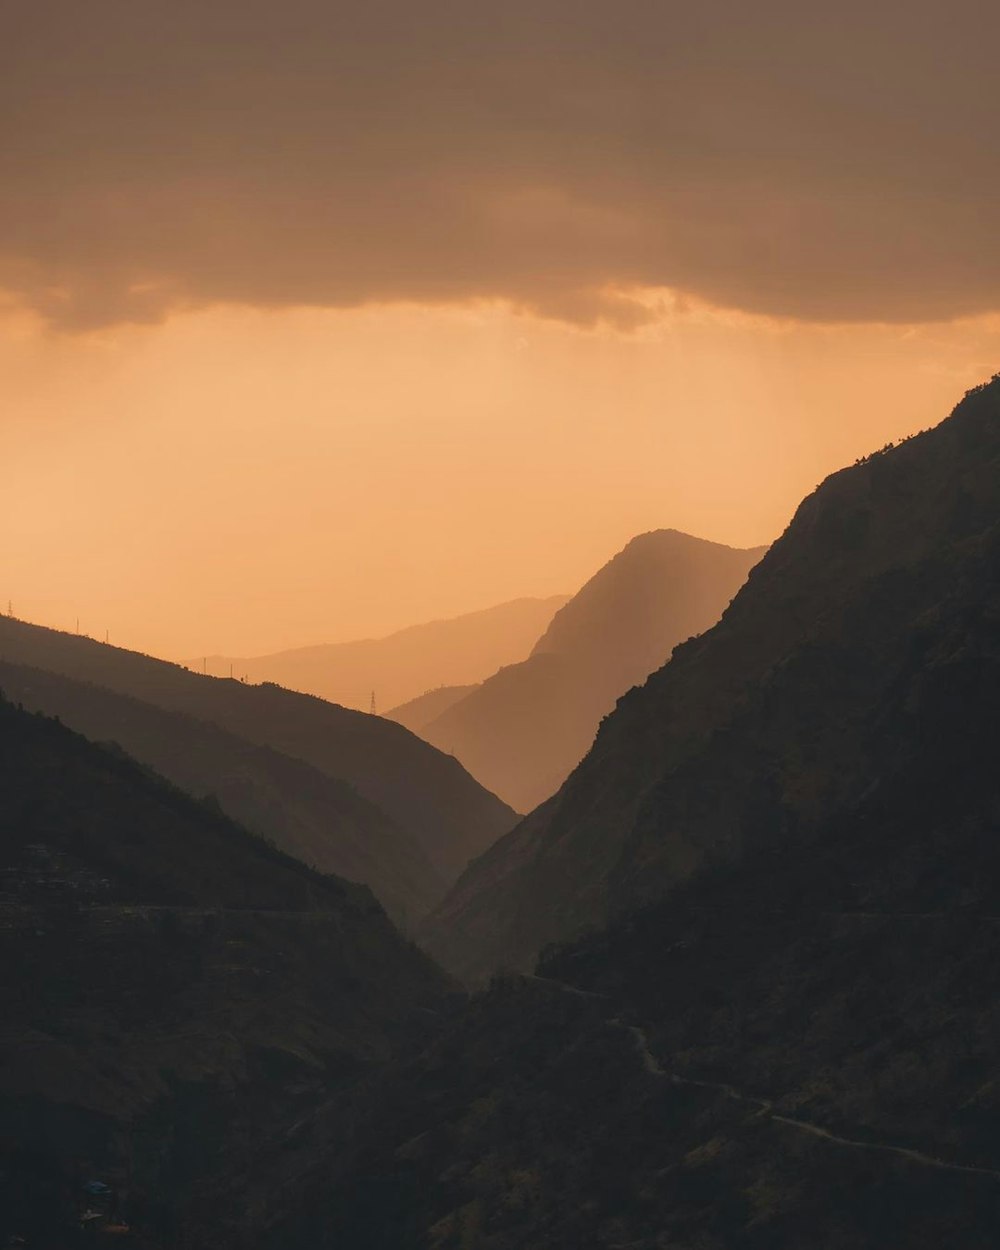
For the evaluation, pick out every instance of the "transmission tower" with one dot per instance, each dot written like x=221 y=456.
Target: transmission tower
x=372 y=708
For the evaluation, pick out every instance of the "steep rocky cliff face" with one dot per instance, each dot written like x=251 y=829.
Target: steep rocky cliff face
x=772 y=725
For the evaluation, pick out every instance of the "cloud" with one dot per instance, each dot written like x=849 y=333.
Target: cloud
x=829 y=163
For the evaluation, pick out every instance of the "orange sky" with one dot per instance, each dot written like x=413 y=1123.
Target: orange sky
x=321 y=318
x=241 y=481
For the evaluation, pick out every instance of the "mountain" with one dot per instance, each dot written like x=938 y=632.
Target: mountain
x=173 y=988
x=303 y=811
x=428 y=795
x=787 y=1034
x=417 y=713
x=784 y=1035
x=772 y=724
x=523 y=730
x=401 y=666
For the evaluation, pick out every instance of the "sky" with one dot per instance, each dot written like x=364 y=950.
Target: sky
x=317 y=319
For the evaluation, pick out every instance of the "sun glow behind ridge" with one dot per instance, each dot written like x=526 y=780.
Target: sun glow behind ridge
x=242 y=480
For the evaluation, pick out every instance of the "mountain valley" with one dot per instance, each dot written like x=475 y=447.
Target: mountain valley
x=734 y=985
x=785 y=1035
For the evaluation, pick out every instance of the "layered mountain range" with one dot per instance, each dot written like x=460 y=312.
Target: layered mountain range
x=317 y=818
x=523 y=730
x=284 y=763
x=418 y=713
x=744 y=963
x=769 y=908
x=769 y=725
x=402 y=665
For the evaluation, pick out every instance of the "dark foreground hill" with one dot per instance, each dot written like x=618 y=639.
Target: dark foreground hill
x=403 y=665
x=771 y=724
x=426 y=793
x=794 y=1041
x=173 y=989
x=523 y=730
x=316 y=818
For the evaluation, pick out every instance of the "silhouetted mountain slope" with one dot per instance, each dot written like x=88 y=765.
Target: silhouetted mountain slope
x=419 y=712
x=549 y=1118
x=771 y=724
x=302 y=810
x=710 y=1073
x=430 y=796
x=523 y=730
x=172 y=986
x=663 y=580
x=796 y=1043
x=401 y=666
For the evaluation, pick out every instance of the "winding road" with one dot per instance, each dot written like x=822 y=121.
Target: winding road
x=765 y=1106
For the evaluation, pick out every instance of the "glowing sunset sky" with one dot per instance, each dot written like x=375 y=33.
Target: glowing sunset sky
x=320 y=320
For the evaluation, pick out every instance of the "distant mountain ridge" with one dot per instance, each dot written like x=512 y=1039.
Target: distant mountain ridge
x=524 y=729
x=743 y=735
x=429 y=795
x=461 y=650
x=416 y=714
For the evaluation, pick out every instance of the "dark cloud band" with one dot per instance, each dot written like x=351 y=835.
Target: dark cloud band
x=821 y=162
